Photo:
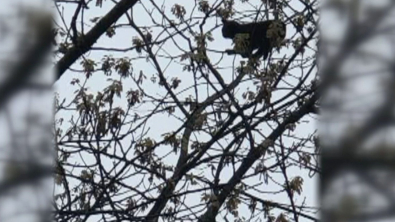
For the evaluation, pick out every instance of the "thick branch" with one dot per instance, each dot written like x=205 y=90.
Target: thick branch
x=252 y=156
x=182 y=166
x=92 y=36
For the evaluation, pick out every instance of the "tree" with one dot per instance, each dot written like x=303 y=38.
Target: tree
x=180 y=130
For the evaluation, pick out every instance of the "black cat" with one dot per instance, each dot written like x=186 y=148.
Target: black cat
x=262 y=36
